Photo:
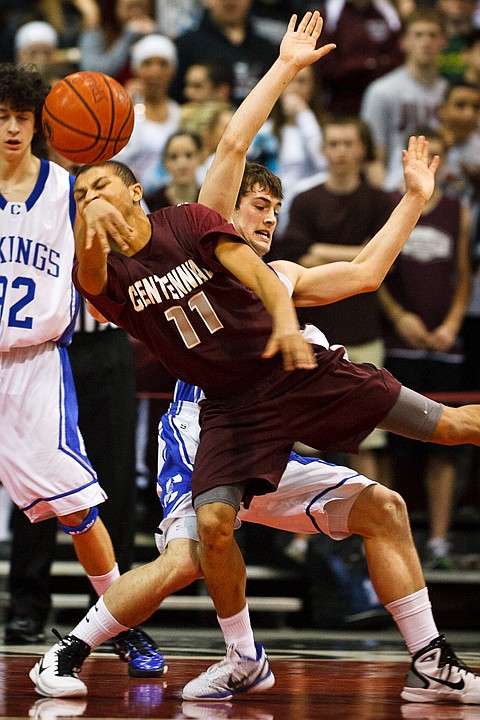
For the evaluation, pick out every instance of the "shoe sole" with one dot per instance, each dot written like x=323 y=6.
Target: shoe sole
x=148 y=673
x=265 y=684
x=33 y=675
x=418 y=695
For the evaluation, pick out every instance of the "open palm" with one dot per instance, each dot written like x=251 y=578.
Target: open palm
x=299 y=46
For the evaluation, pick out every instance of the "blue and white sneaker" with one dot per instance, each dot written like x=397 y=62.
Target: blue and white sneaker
x=138 y=649
x=234 y=674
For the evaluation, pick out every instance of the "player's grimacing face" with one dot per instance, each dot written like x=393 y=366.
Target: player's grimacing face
x=256 y=219
x=103 y=182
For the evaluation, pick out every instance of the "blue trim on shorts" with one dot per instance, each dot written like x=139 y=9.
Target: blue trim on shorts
x=69 y=438
x=60 y=495
x=306 y=461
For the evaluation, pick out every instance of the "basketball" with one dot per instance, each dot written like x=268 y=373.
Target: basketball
x=87 y=117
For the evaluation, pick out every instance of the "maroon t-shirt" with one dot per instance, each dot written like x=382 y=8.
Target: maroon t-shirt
x=203 y=324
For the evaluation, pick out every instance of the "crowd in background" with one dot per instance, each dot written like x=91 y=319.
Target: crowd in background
x=334 y=138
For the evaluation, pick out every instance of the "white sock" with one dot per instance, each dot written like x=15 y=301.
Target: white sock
x=97 y=626
x=101 y=583
x=237 y=629
x=413 y=617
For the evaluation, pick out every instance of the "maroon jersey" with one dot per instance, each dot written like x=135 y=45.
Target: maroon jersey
x=204 y=325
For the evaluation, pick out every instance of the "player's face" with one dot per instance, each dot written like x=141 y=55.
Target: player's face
x=102 y=182
x=16 y=131
x=256 y=219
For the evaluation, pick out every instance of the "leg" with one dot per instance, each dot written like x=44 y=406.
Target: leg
x=93 y=547
x=439 y=481
x=436 y=674
x=222 y=563
x=380 y=516
x=137 y=594
x=29 y=578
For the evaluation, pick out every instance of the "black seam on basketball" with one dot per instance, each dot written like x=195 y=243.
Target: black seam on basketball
x=106 y=141
x=127 y=120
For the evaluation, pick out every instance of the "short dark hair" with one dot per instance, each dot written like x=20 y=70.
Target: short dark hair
x=219 y=71
x=123 y=171
x=425 y=13
x=22 y=88
x=256 y=174
x=459 y=84
x=195 y=137
x=363 y=129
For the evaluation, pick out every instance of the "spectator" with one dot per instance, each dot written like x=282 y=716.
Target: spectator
x=226 y=33
x=409 y=96
x=36 y=42
x=154 y=60
x=352 y=211
x=181 y=158
x=209 y=80
x=108 y=35
x=460 y=23
x=208 y=120
x=176 y=17
x=471 y=54
x=459 y=123
x=424 y=299
x=295 y=123
x=366 y=33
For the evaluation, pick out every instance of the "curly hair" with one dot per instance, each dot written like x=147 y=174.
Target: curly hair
x=22 y=88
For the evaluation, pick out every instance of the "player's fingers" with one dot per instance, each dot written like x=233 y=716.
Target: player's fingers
x=312 y=23
x=324 y=50
x=304 y=22
x=292 y=23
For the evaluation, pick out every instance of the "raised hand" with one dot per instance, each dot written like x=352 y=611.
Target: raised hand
x=299 y=46
x=418 y=173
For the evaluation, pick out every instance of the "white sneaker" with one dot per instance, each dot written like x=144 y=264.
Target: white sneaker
x=437 y=675
x=56 y=673
x=234 y=674
x=54 y=708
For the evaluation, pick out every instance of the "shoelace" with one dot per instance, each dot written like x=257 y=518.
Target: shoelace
x=448 y=658
x=139 y=641
x=71 y=655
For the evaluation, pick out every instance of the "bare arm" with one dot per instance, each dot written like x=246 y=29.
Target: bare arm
x=297 y=50
x=95 y=223
x=286 y=337
x=365 y=273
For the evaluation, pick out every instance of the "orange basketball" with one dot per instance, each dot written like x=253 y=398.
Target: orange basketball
x=87 y=117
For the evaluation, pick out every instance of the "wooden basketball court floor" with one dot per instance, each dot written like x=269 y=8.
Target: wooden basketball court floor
x=336 y=674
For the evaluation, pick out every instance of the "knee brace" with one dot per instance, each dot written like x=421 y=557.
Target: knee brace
x=84 y=526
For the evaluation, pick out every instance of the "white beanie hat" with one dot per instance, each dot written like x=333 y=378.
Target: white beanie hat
x=153 y=46
x=35 y=32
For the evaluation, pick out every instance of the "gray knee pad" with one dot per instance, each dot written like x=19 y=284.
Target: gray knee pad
x=228 y=494
x=413 y=415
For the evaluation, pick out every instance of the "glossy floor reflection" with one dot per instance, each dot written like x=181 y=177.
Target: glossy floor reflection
x=346 y=676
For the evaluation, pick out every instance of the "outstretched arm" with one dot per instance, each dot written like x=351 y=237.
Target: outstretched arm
x=335 y=281
x=297 y=50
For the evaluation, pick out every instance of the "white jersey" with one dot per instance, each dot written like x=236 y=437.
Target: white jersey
x=37 y=299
